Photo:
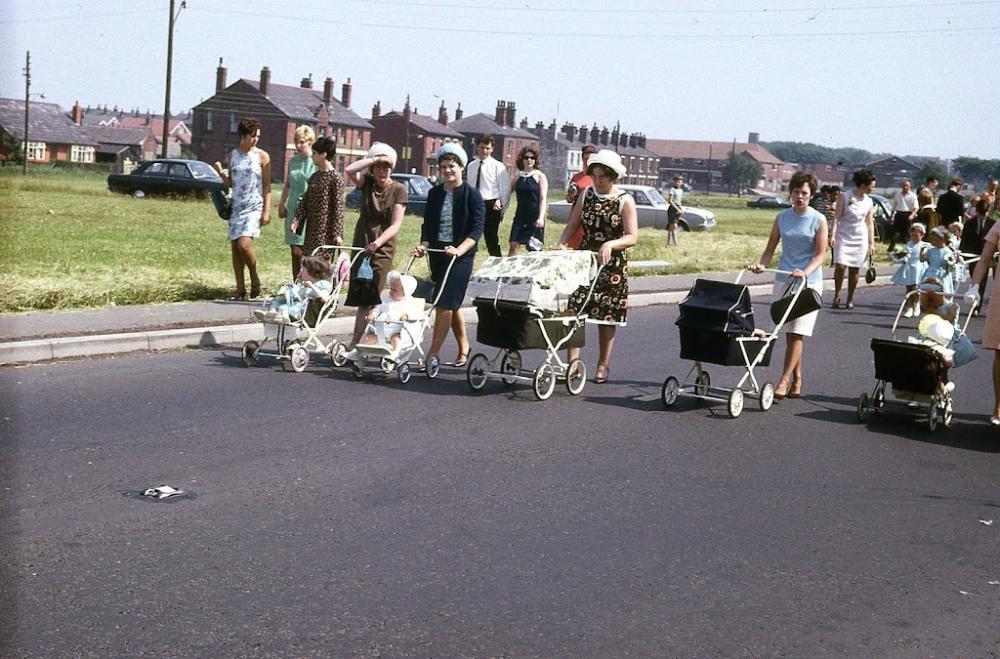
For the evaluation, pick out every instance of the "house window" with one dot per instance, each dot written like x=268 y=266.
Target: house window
x=678 y=161
x=36 y=150
x=359 y=141
x=828 y=168
x=208 y=121
x=233 y=123
x=700 y=163
x=78 y=153
x=340 y=163
x=322 y=131
x=343 y=135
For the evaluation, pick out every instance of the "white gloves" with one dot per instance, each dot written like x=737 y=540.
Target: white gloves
x=972 y=295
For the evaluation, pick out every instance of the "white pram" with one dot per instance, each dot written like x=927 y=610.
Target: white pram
x=295 y=338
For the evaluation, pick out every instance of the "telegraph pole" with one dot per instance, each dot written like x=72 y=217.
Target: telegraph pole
x=170 y=57
x=27 y=104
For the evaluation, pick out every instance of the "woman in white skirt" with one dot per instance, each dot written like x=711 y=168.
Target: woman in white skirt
x=853 y=234
x=802 y=233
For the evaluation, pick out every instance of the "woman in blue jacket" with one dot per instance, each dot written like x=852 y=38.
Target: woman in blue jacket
x=453 y=222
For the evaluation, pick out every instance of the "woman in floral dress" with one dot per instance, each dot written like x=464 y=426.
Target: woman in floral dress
x=610 y=226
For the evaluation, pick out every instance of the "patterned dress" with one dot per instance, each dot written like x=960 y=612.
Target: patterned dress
x=321 y=210
x=601 y=219
x=248 y=194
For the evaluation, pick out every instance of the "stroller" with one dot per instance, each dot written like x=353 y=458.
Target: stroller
x=918 y=374
x=295 y=338
x=382 y=358
x=521 y=303
x=717 y=326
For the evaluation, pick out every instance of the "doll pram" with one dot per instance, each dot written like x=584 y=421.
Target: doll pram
x=918 y=373
x=535 y=320
x=381 y=358
x=295 y=339
x=716 y=326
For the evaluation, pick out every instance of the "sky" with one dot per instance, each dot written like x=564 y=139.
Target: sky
x=891 y=76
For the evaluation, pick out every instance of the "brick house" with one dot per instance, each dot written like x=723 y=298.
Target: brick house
x=415 y=137
x=890 y=171
x=827 y=173
x=179 y=137
x=280 y=109
x=509 y=137
x=701 y=162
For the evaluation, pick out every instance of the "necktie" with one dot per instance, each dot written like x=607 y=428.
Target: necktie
x=479 y=173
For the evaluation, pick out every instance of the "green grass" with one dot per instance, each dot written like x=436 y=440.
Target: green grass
x=66 y=242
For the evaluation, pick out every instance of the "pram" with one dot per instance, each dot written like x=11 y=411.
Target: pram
x=917 y=372
x=521 y=302
x=717 y=326
x=411 y=335
x=295 y=338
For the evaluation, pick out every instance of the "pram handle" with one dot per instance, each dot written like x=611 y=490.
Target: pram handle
x=742 y=272
x=440 y=288
x=916 y=291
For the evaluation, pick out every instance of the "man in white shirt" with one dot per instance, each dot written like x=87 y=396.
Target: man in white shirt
x=905 y=205
x=493 y=182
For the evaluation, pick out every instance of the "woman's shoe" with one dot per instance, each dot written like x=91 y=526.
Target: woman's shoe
x=237 y=296
x=600 y=377
x=781 y=390
x=850 y=304
x=796 y=389
x=994 y=421
x=255 y=291
x=836 y=303
x=463 y=359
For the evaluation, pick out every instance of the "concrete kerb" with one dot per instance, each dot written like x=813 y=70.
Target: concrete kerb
x=39 y=350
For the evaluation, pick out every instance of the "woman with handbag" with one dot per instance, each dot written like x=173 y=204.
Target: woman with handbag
x=383 y=203
x=853 y=234
x=803 y=236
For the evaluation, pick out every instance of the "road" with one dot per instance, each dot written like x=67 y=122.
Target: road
x=328 y=516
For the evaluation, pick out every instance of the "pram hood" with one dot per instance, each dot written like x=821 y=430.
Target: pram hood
x=543 y=279
x=717 y=306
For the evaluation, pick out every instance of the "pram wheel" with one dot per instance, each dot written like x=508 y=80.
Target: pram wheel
x=511 y=363
x=671 y=388
x=356 y=371
x=477 y=371
x=879 y=398
x=249 y=353
x=337 y=354
x=544 y=382
x=576 y=377
x=948 y=413
x=403 y=370
x=433 y=366
x=702 y=383
x=735 y=403
x=934 y=416
x=862 y=406
x=766 y=397
x=298 y=357
x=387 y=365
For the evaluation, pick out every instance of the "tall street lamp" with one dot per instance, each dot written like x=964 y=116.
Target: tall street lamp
x=170 y=57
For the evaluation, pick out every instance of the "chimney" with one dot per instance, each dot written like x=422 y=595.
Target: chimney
x=265 y=80
x=406 y=110
x=642 y=140
x=377 y=109
x=77 y=113
x=345 y=94
x=615 y=134
x=633 y=140
x=595 y=135
x=754 y=138
x=501 y=112
x=524 y=123
x=307 y=83
x=220 y=77
x=510 y=115
x=458 y=112
x=327 y=90
x=442 y=115
x=604 y=135
x=569 y=130
x=551 y=131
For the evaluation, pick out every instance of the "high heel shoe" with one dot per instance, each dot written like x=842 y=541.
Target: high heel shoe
x=796 y=389
x=836 y=303
x=601 y=378
x=781 y=390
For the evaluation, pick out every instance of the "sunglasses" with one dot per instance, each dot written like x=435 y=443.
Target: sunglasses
x=530 y=157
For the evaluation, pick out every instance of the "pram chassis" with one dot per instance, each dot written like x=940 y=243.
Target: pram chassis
x=294 y=353
x=402 y=363
x=543 y=379
x=938 y=405
x=700 y=387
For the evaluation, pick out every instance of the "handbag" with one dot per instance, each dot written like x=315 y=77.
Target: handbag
x=965 y=351
x=365 y=272
x=223 y=204
x=806 y=302
x=870 y=273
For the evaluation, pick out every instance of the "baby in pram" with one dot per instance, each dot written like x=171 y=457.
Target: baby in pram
x=940 y=329
x=290 y=302
x=385 y=322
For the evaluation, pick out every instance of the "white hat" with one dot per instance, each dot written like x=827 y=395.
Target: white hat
x=453 y=149
x=383 y=149
x=409 y=283
x=609 y=159
x=937 y=329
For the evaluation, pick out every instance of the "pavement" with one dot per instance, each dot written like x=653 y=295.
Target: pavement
x=53 y=335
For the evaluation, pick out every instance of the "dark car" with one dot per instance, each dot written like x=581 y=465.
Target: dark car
x=768 y=201
x=416 y=186
x=882 y=217
x=169 y=176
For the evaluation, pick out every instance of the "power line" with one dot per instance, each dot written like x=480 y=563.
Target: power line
x=675 y=11
x=77 y=17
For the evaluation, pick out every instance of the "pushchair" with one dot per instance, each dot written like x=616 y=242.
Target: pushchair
x=716 y=325
x=521 y=302
x=381 y=357
x=918 y=374
x=294 y=339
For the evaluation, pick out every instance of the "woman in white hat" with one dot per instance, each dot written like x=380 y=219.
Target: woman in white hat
x=608 y=217
x=383 y=203
x=453 y=222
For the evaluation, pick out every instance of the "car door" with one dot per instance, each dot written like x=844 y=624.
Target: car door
x=153 y=178
x=179 y=179
x=645 y=211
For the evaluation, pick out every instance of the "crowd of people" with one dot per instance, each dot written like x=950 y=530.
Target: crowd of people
x=470 y=199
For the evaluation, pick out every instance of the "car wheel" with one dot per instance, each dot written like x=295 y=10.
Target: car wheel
x=138 y=194
x=683 y=225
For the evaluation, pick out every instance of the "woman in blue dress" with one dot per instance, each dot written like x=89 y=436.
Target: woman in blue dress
x=803 y=236
x=531 y=187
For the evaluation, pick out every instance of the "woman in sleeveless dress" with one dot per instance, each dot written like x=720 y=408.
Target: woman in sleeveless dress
x=991 y=332
x=249 y=176
x=532 y=188
x=610 y=226
x=300 y=168
x=853 y=234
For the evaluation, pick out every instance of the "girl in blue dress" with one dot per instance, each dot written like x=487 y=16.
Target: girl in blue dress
x=940 y=259
x=911 y=270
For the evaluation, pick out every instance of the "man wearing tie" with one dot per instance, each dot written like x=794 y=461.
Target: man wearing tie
x=493 y=182
x=974 y=236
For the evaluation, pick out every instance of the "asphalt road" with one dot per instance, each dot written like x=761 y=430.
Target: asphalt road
x=331 y=517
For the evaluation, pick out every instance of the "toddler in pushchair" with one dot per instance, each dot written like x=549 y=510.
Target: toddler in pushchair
x=387 y=321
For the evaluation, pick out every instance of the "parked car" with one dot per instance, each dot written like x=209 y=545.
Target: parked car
x=651 y=209
x=882 y=217
x=168 y=176
x=768 y=201
x=416 y=186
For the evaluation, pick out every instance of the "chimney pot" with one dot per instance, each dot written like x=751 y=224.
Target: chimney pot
x=307 y=83
x=442 y=115
x=501 y=113
x=77 y=113
x=327 y=90
x=377 y=109
x=265 y=80
x=220 y=77
x=754 y=138
x=458 y=112
x=345 y=94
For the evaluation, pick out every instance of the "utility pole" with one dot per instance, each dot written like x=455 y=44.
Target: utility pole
x=27 y=104
x=708 y=187
x=170 y=57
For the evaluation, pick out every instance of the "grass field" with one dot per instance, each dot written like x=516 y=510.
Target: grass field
x=66 y=242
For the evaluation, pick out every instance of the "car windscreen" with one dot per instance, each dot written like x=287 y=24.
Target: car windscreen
x=655 y=197
x=420 y=186
x=202 y=170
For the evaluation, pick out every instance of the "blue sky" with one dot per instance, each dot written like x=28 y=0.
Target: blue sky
x=886 y=75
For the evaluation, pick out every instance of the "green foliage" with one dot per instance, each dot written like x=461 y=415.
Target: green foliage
x=809 y=152
x=11 y=149
x=932 y=168
x=741 y=171
x=977 y=169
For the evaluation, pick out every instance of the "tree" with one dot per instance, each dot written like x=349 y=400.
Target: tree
x=741 y=171
x=11 y=149
x=935 y=169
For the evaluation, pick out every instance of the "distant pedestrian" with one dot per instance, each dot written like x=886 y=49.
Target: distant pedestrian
x=927 y=214
x=911 y=268
x=974 y=236
x=931 y=183
x=300 y=168
x=853 y=234
x=675 y=208
x=951 y=204
x=491 y=178
x=578 y=183
x=248 y=175
x=905 y=206
x=532 y=188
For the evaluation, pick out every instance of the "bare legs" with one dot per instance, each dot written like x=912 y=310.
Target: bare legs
x=793 y=366
x=445 y=319
x=838 y=283
x=360 y=322
x=243 y=257
x=512 y=249
x=996 y=384
x=605 y=342
x=671 y=234
x=296 y=260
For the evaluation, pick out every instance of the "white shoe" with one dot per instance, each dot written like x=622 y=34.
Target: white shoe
x=950 y=387
x=908 y=313
x=351 y=356
x=916 y=309
x=913 y=403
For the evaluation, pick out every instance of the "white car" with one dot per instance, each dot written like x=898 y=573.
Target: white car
x=651 y=208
